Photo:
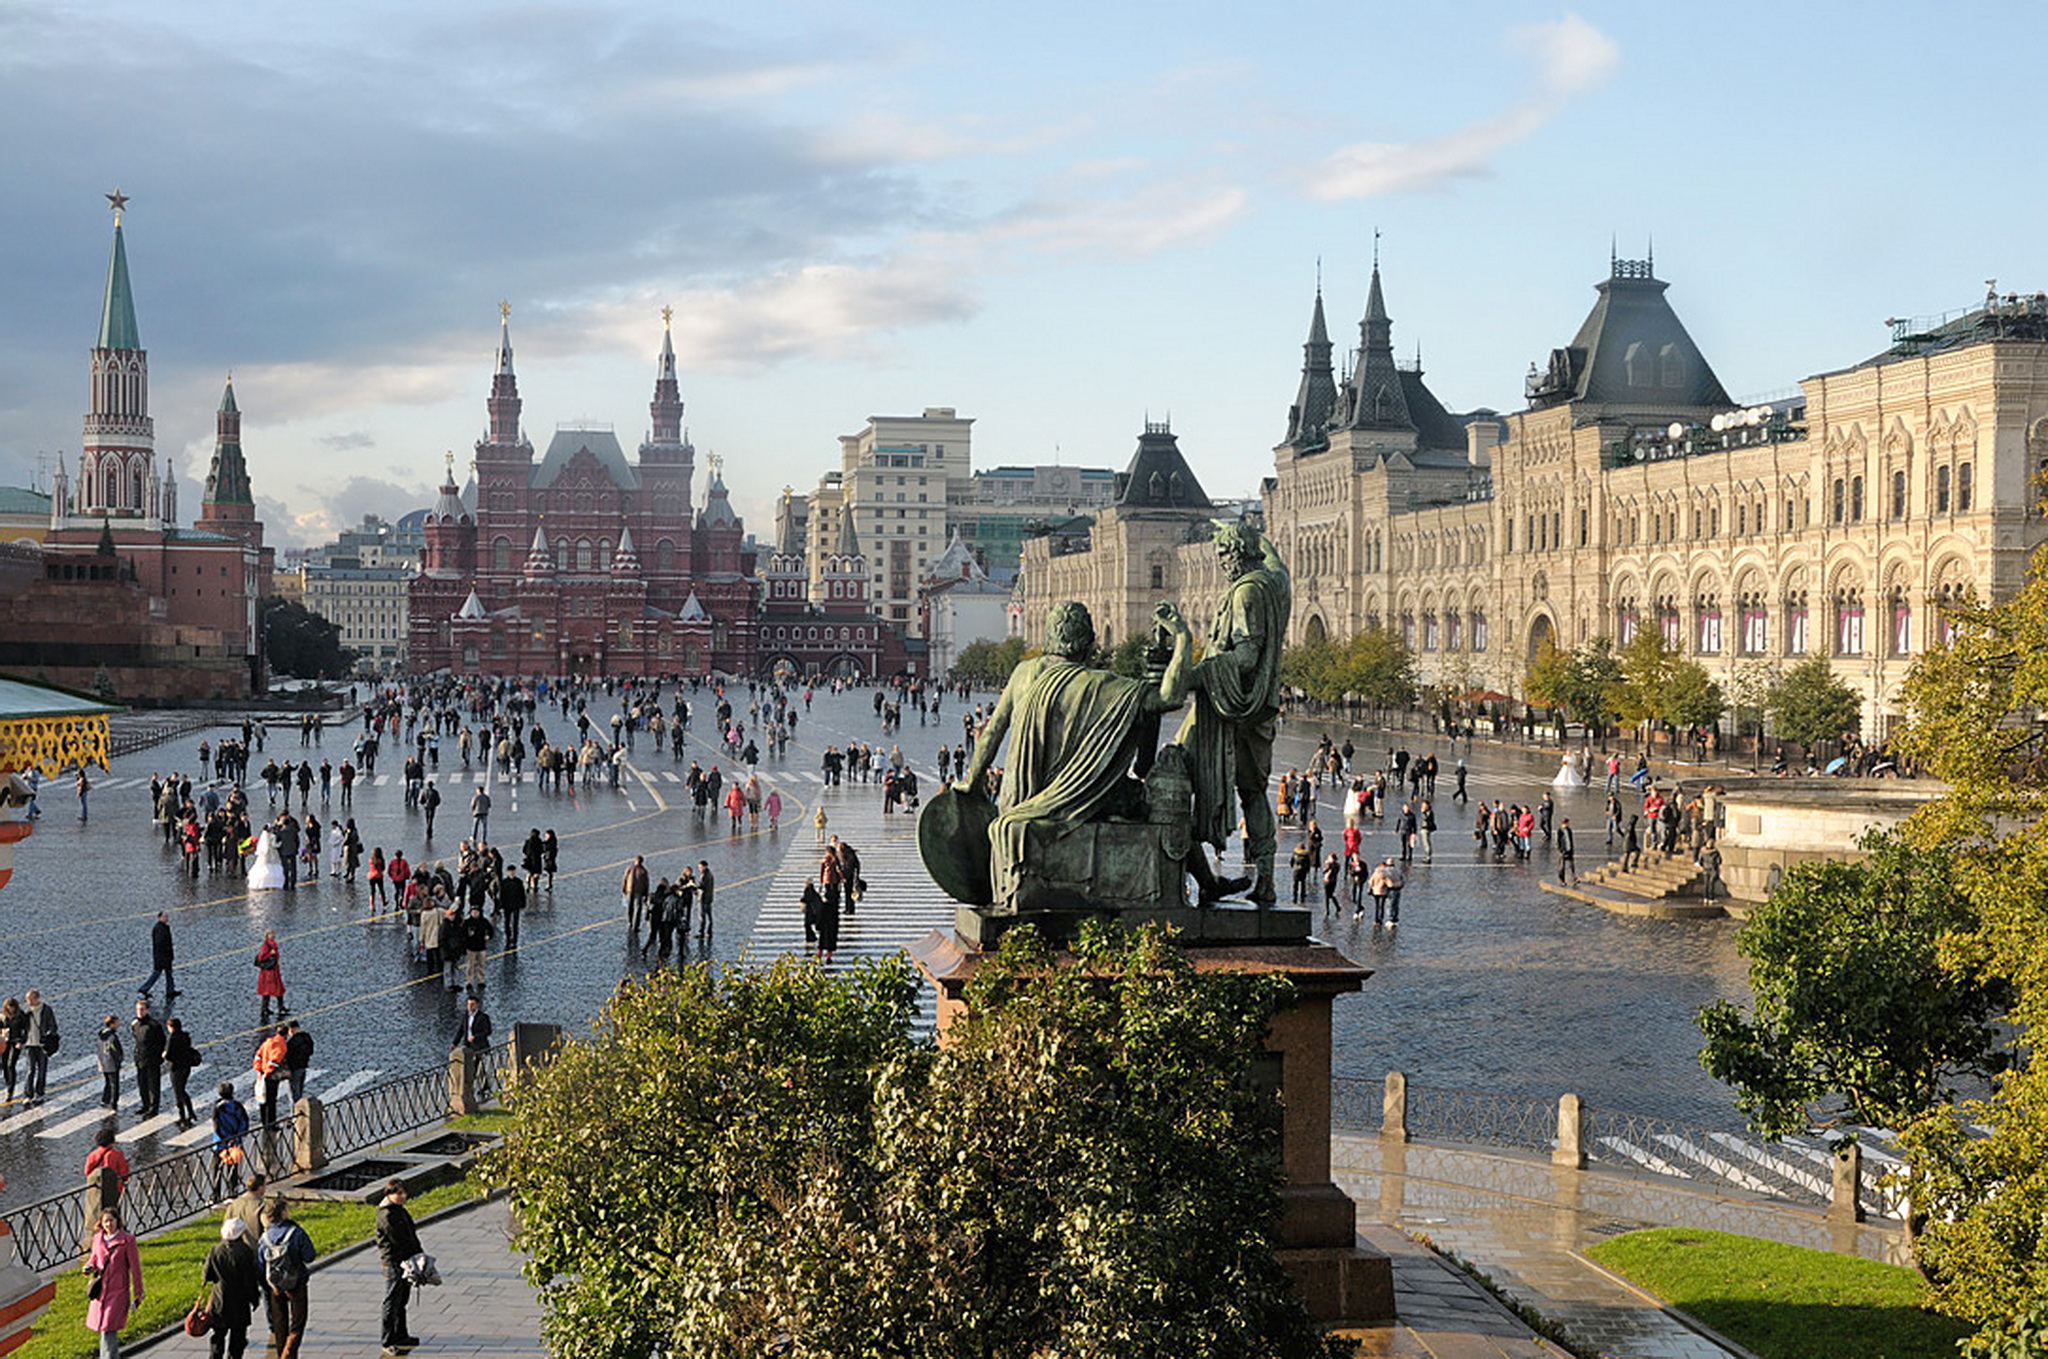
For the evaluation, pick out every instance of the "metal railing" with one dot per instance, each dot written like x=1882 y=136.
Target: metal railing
x=1441 y=1115
x=1802 y=1170
x=50 y=1233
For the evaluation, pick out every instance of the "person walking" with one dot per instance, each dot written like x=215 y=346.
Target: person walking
x=248 y=1207
x=430 y=802
x=398 y=1240
x=180 y=1056
x=150 y=1045
x=477 y=933
x=105 y=1153
x=286 y=1254
x=298 y=1059
x=1632 y=843
x=1567 y=851
x=1301 y=861
x=511 y=904
x=109 y=1052
x=480 y=815
x=162 y=954
x=115 y=1267
x=705 y=886
x=633 y=889
x=237 y=1287
x=13 y=1029
x=1333 y=870
x=38 y=1041
x=270 y=977
x=83 y=786
x=230 y=1127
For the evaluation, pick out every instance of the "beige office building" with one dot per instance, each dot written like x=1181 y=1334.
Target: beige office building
x=896 y=477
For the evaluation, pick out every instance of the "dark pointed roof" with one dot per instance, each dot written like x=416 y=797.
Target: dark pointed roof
x=1159 y=478
x=849 y=541
x=1376 y=394
x=1315 y=401
x=227 y=478
x=117 y=311
x=1632 y=352
x=718 y=511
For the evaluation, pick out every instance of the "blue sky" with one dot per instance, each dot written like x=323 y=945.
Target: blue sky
x=1059 y=218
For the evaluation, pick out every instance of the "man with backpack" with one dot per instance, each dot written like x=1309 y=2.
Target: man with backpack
x=286 y=1254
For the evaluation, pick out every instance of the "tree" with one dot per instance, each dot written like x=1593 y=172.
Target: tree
x=1975 y=710
x=1691 y=698
x=1749 y=694
x=1380 y=668
x=1585 y=681
x=301 y=643
x=1857 y=1017
x=1128 y=656
x=1808 y=704
x=763 y=1161
x=989 y=662
x=1646 y=664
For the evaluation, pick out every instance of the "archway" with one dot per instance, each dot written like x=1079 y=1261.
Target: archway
x=1542 y=633
x=1314 y=633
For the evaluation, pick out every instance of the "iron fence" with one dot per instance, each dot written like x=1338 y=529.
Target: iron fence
x=1443 y=1115
x=52 y=1233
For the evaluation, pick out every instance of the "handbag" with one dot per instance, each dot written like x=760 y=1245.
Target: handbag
x=420 y=1271
x=199 y=1320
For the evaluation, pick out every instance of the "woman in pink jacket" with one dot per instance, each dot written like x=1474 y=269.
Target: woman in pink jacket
x=117 y=1269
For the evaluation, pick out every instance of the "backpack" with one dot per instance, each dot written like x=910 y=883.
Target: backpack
x=281 y=1271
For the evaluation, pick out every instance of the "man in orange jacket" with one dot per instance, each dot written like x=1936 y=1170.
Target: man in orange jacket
x=269 y=1064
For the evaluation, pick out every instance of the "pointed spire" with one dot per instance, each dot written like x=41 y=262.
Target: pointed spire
x=117 y=309
x=1308 y=420
x=106 y=547
x=666 y=410
x=472 y=608
x=1377 y=398
x=538 y=562
x=449 y=506
x=504 y=404
x=625 y=561
x=227 y=478
x=849 y=541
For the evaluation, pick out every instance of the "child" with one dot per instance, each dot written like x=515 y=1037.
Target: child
x=818 y=821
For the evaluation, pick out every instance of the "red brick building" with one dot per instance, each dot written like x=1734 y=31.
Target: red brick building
x=125 y=596
x=584 y=563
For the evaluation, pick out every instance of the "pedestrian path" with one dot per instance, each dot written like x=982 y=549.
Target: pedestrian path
x=902 y=903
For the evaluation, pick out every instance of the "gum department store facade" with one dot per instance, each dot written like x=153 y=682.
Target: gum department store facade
x=1628 y=493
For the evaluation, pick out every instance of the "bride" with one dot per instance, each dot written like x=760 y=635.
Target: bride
x=266 y=870
x=1568 y=774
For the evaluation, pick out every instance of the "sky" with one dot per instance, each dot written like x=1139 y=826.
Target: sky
x=1062 y=219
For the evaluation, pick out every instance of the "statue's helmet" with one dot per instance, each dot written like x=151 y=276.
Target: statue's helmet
x=1069 y=631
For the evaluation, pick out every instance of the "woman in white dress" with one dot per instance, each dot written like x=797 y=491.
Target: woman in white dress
x=266 y=870
x=334 y=848
x=1568 y=775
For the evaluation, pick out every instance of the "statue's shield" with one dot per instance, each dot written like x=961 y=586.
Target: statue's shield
x=952 y=839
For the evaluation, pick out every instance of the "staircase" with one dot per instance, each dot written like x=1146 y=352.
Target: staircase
x=1666 y=889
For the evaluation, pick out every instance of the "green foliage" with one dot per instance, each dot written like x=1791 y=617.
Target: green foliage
x=302 y=644
x=1780 y=1301
x=1128 y=656
x=1975 y=712
x=762 y=1161
x=1853 y=1003
x=1808 y=704
x=1646 y=666
x=1691 y=698
x=1749 y=692
x=989 y=662
x=1374 y=667
x=1586 y=681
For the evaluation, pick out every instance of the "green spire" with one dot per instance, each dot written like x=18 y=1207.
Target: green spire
x=227 y=398
x=117 y=313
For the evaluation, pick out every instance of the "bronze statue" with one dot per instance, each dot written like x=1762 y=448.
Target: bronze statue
x=1229 y=732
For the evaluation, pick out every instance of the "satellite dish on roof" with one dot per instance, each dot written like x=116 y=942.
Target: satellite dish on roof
x=1718 y=423
x=1677 y=430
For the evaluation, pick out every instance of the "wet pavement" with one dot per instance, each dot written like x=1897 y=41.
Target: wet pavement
x=1488 y=982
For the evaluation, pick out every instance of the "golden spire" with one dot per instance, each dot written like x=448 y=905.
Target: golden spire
x=504 y=311
x=449 y=458
x=666 y=313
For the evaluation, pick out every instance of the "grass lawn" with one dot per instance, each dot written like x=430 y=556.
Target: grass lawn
x=171 y=1264
x=1785 y=1302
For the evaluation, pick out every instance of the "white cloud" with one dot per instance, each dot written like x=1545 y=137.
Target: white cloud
x=1571 y=57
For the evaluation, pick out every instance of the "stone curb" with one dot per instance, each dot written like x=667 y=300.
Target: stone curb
x=1685 y=1319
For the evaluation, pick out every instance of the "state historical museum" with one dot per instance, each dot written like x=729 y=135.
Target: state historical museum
x=583 y=563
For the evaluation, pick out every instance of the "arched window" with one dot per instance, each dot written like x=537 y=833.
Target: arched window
x=1707 y=625
x=1856 y=500
x=584 y=557
x=604 y=554
x=1849 y=622
x=1900 y=609
x=1841 y=499
x=1673 y=365
x=1963 y=489
x=1899 y=494
x=665 y=555
x=1941 y=490
x=1635 y=361
x=1795 y=623
x=561 y=554
x=501 y=554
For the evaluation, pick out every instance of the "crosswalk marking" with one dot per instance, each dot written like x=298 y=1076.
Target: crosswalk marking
x=350 y=1084
x=48 y=1108
x=73 y=1124
x=147 y=1127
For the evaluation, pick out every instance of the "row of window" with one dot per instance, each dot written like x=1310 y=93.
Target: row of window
x=1453 y=632
x=1753 y=627
x=791 y=636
